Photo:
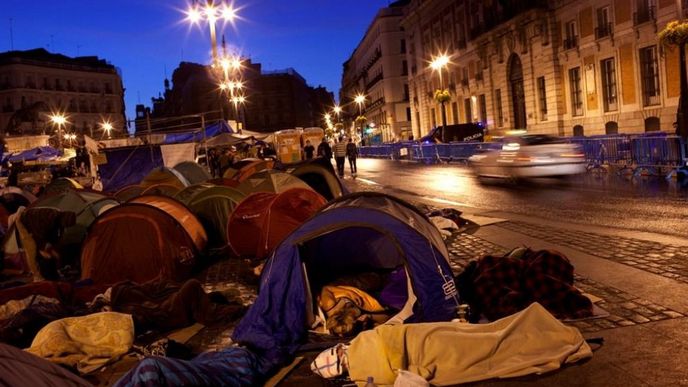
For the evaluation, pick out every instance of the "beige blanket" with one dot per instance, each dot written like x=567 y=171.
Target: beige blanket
x=531 y=341
x=85 y=343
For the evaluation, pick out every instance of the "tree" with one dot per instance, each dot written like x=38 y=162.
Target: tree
x=676 y=34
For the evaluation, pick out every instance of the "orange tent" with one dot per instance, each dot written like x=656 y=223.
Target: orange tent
x=262 y=220
x=247 y=170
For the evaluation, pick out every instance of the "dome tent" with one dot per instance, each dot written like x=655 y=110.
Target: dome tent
x=164 y=175
x=245 y=168
x=388 y=233
x=161 y=190
x=61 y=184
x=193 y=172
x=319 y=174
x=262 y=220
x=270 y=181
x=213 y=206
x=129 y=192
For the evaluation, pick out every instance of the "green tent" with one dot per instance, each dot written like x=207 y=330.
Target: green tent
x=61 y=184
x=213 y=206
x=193 y=172
x=187 y=193
x=270 y=181
x=129 y=192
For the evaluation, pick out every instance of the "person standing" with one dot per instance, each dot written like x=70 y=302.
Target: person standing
x=324 y=150
x=351 y=154
x=308 y=150
x=340 y=155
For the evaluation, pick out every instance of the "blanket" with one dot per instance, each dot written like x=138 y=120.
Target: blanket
x=19 y=368
x=85 y=343
x=445 y=353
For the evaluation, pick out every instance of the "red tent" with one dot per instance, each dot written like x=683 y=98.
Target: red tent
x=262 y=220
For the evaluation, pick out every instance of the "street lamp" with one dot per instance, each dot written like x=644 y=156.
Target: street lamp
x=107 y=128
x=360 y=100
x=439 y=63
x=60 y=120
x=212 y=11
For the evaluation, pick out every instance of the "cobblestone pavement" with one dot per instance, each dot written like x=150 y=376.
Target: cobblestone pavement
x=624 y=308
x=666 y=260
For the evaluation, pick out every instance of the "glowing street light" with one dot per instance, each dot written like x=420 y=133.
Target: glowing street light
x=107 y=127
x=327 y=116
x=60 y=120
x=439 y=63
x=360 y=100
x=211 y=12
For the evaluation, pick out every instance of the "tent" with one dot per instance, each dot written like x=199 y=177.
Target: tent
x=188 y=192
x=243 y=170
x=193 y=172
x=270 y=181
x=197 y=134
x=11 y=198
x=164 y=175
x=41 y=153
x=356 y=233
x=137 y=242
x=62 y=184
x=162 y=190
x=128 y=165
x=319 y=174
x=262 y=220
x=181 y=214
x=129 y=192
x=213 y=206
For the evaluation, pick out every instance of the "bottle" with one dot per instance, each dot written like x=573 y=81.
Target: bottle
x=370 y=382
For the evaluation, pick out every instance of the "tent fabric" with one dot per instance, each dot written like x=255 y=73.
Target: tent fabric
x=213 y=206
x=262 y=220
x=173 y=154
x=11 y=198
x=128 y=165
x=355 y=233
x=129 y=192
x=246 y=168
x=62 y=184
x=41 y=153
x=181 y=213
x=161 y=190
x=197 y=135
x=270 y=181
x=193 y=172
x=448 y=353
x=187 y=193
x=319 y=174
x=164 y=175
x=137 y=242
x=21 y=368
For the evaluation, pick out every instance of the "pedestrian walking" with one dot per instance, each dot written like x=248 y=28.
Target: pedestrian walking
x=324 y=149
x=352 y=154
x=308 y=150
x=340 y=155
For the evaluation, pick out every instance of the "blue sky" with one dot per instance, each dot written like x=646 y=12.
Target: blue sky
x=143 y=37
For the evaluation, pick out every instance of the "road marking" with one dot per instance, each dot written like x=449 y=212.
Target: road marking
x=445 y=201
x=367 y=181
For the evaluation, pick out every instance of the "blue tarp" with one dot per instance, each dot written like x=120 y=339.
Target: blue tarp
x=197 y=135
x=41 y=153
x=128 y=165
x=389 y=234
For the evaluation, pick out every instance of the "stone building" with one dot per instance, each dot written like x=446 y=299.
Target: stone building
x=562 y=67
x=35 y=84
x=378 y=69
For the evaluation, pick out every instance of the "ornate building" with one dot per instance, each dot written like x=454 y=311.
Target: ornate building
x=35 y=84
x=562 y=67
x=378 y=69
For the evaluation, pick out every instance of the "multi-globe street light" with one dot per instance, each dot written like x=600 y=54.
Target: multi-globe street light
x=212 y=11
x=439 y=63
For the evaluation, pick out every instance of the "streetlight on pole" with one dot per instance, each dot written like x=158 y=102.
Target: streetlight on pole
x=60 y=120
x=360 y=100
x=213 y=11
x=439 y=63
x=107 y=128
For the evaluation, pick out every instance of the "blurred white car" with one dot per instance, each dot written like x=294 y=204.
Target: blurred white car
x=530 y=156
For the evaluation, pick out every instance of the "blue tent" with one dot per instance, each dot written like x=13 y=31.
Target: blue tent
x=197 y=135
x=128 y=165
x=353 y=234
x=41 y=153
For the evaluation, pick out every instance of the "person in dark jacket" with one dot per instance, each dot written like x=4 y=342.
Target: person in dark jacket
x=352 y=154
x=324 y=150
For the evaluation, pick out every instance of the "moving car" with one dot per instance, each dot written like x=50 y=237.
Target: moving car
x=529 y=156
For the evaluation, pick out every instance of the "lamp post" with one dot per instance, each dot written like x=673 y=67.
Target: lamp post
x=360 y=100
x=107 y=128
x=438 y=64
x=60 y=120
x=212 y=11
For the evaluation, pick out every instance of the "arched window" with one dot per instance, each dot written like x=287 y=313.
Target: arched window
x=611 y=127
x=652 y=124
x=578 y=131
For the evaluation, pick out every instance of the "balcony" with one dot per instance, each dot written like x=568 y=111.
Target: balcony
x=570 y=42
x=604 y=30
x=464 y=82
x=374 y=81
x=644 y=15
x=651 y=100
x=479 y=76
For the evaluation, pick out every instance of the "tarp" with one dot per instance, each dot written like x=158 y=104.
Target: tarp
x=355 y=233
x=41 y=153
x=128 y=166
x=177 y=153
x=197 y=135
x=262 y=220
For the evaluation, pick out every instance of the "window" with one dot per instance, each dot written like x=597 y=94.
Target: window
x=652 y=124
x=403 y=46
x=108 y=88
x=467 y=107
x=498 y=103
x=576 y=92
x=604 y=26
x=455 y=112
x=408 y=114
x=645 y=11
x=542 y=96
x=578 y=131
x=406 y=92
x=571 y=40
x=649 y=73
x=611 y=127
x=608 y=84
x=483 y=109
x=404 y=68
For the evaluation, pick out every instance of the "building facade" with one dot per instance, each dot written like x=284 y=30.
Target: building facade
x=561 y=67
x=274 y=100
x=378 y=69
x=35 y=84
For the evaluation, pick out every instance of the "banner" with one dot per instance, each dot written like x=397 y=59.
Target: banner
x=176 y=153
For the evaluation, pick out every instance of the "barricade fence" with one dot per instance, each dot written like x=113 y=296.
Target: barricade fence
x=633 y=151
